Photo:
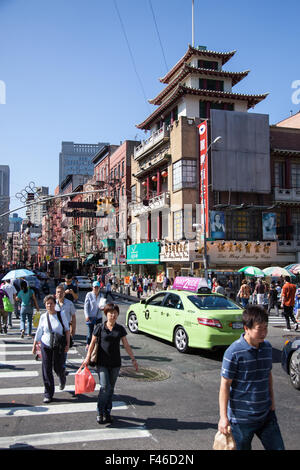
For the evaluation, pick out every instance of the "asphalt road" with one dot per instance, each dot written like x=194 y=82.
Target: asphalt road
x=171 y=404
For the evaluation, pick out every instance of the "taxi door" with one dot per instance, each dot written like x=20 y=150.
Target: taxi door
x=151 y=312
x=170 y=314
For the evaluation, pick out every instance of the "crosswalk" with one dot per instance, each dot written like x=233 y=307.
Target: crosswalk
x=68 y=421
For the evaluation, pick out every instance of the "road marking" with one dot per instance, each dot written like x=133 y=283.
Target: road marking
x=55 y=409
x=36 y=390
x=24 y=353
x=13 y=374
x=31 y=362
x=69 y=437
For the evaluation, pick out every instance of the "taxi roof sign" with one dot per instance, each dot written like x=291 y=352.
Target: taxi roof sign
x=192 y=284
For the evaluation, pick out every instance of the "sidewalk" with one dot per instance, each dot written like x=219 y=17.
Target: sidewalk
x=132 y=297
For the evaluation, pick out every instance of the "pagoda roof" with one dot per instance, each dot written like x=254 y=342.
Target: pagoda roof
x=225 y=56
x=182 y=90
x=189 y=69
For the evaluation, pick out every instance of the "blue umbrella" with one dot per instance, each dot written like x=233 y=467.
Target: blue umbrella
x=17 y=273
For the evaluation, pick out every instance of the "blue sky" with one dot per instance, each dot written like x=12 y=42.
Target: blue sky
x=69 y=74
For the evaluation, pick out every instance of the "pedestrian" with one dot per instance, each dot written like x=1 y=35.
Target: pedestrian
x=219 y=288
x=273 y=299
x=297 y=304
x=145 y=284
x=3 y=313
x=27 y=297
x=12 y=294
x=108 y=291
x=71 y=289
x=260 y=290
x=246 y=397
x=244 y=293
x=139 y=291
x=108 y=335
x=134 y=281
x=92 y=312
x=53 y=358
x=288 y=293
x=68 y=308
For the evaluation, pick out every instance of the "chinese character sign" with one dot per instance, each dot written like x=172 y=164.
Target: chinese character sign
x=204 y=174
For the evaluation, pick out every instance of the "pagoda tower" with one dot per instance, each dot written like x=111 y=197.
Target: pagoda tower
x=197 y=84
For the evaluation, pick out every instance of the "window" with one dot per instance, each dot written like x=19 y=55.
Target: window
x=208 y=84
x=208 y=64
x=157 y=299
x=133 y=193
x=184 y=174
x=296 y=224
x=211 y=302
x=279 y=173
x=173 y=301
x=243 y=225
x=122 y=169
x=178 y=224
x=295 y=173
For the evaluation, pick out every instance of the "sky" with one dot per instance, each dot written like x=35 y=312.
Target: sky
x=83 y=70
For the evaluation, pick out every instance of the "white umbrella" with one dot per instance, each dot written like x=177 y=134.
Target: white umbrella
x=17 y=274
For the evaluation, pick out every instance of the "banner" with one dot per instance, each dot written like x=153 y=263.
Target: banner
x=269 y=223
x=204 y=174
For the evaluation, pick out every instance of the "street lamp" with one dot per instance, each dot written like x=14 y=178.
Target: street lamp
x=204 y=209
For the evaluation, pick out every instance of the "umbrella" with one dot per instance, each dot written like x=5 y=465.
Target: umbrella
x=252 y=271
x=276 y=271
x=293 y=268
x=17 y=273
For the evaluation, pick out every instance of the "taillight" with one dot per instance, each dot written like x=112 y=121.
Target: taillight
x=210 y=322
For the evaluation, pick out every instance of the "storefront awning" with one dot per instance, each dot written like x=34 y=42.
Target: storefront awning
x=90 y=259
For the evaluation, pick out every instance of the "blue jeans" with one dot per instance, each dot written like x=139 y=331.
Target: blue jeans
x=107 y=378
x=268 y=432
x=26 y=311
x=244 y=301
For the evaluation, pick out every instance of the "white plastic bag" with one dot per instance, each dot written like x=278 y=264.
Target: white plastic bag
x=224 y=441
x=102 y=303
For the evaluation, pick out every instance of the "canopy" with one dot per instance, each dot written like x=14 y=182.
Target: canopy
x=277 y=271
x=252 y=271
x=17 y=274
x=293 y=268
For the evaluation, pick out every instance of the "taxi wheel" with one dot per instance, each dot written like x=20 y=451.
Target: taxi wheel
x=294 y=369
x=181 y=340
x=133 y=325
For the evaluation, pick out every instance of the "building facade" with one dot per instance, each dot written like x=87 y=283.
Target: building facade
x=4 y=200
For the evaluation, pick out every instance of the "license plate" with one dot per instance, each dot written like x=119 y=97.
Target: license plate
x=237 y=325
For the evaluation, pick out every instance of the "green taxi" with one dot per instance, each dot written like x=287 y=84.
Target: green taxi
x=187 y=319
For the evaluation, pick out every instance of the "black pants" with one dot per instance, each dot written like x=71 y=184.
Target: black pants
x=52 y=359
x=288 y=313
x=109 y=294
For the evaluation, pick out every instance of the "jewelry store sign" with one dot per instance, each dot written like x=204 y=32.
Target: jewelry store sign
x=241 y=252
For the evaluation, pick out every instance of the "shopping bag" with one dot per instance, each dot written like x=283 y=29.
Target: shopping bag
x=102 y=303
x=36 y=318
x=224 y=441
x=38 y=352
x=84 y=381
x=7 y=305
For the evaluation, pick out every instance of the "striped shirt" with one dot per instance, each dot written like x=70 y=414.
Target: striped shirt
x=249 y=369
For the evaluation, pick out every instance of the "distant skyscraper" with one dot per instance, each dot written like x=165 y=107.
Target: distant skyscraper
x=36 y=212
x=4 y=199
x=15 y=223
x=76 y=159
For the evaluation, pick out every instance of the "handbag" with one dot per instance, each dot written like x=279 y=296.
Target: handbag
x=36 y=318
x=57 y=341
x=7 y=305
x=94 y=355
x=102 y=303
x=224 y=441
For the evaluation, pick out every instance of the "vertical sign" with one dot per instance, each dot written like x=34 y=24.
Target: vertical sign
x=204 y=175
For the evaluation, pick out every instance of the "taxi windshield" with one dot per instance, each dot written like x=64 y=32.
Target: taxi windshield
x=213 y=302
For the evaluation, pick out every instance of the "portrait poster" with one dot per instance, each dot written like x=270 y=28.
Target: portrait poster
x=217 y=225
x=269 y=223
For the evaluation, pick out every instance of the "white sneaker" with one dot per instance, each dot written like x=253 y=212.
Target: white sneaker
x=286 y=329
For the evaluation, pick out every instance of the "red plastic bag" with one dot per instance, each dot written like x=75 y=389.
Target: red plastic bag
x=84 y=381
x=38 y=352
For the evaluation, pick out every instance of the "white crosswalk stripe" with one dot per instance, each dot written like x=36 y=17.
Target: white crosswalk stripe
x=14 y=352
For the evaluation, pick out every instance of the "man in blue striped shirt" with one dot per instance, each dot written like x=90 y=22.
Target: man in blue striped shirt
x=246 y=396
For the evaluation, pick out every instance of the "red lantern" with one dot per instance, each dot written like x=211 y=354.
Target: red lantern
x=154 y=178
x=164 y=174
x=144 y=183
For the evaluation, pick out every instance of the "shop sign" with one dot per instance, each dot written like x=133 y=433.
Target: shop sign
x=245 y=253
x=143 y=253
x=176 y=251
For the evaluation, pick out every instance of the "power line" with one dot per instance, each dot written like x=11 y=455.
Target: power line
x=159 y=38
x=130 y=52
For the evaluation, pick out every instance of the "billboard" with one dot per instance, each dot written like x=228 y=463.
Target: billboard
x=240 y=161
x=217 y=225
x=269 y=223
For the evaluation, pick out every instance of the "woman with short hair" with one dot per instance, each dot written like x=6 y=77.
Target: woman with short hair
x=26 y=296
x=108 y=335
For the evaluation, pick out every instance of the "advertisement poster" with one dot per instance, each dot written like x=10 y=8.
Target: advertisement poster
x=217 y=225
x=269 y=223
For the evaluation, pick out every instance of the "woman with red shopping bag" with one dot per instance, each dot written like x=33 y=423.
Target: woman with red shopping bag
x=108 y=336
